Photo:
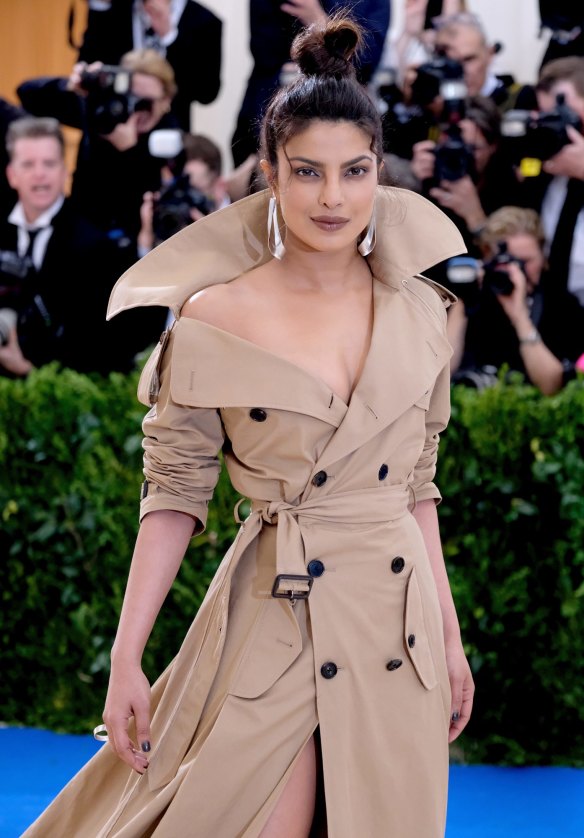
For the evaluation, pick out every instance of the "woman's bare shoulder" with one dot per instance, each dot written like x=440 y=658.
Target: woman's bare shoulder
x=218 y=304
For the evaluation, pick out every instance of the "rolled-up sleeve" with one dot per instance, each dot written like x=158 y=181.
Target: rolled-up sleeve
x=437 y=417
x=181 y=446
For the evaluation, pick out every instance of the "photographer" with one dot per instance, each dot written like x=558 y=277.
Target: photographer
x=184 y=32
x=511 y=314
x=197 y=190
x=117 y=109
x=562 y=181
x=465 y=173
x=56 y=269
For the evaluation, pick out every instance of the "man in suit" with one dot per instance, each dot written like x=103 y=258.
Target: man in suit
x=57 y=269
x=185 y=33
x=273 y=26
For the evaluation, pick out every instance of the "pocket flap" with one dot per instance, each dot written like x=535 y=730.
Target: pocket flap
x=273 y=645
x=416 y=636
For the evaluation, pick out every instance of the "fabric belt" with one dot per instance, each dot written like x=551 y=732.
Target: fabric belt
x=359 y=506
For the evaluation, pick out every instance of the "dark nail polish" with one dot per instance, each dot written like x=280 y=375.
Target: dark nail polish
x=146 y=747
x=455 y=716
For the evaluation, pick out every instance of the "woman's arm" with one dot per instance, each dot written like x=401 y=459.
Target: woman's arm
x=461 y=682
x=162 y=540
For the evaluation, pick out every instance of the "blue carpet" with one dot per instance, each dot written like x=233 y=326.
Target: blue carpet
x=485 y=802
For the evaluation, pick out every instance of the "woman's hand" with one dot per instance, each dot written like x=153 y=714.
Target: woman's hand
x=461 y=686
x=128 y=695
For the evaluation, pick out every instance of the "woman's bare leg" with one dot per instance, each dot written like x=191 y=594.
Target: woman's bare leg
x=293 y=813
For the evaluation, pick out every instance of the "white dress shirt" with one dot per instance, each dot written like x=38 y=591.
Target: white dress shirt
x=43 y=223
x=550 y=212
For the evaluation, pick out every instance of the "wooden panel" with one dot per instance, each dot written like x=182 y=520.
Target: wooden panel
x=34 y=42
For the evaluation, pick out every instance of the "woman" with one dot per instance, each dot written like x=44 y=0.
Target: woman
x=328 y=640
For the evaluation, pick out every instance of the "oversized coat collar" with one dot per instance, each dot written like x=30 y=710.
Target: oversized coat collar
x=413 y=235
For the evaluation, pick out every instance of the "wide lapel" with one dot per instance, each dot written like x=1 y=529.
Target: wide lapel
x=407 y=352
x=214 y=368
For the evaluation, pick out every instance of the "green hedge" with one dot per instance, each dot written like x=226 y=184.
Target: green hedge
x=512 y=474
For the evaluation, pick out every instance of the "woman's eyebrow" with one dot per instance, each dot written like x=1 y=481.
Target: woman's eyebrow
x=321 y=165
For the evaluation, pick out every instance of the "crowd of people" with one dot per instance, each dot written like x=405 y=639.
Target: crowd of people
x=504 y=161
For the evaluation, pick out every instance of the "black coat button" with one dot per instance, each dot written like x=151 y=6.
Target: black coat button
x=319 y=478
x=412 y=641
x=394 y=664
x=258 y=415
x=315 y=568
x=383 y=471
x=398 y=564
x=328 y=670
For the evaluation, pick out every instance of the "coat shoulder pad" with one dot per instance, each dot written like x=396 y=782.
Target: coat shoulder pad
x=428 y=288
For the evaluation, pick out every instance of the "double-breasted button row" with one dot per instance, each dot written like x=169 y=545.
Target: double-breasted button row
x=257 y=414
x=315 y=568
x=319 y=478
x=328 y=670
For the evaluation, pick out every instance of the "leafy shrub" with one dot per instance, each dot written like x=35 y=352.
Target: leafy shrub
x=512 y=474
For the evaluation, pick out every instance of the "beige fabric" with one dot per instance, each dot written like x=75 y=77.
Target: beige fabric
x=246 y=690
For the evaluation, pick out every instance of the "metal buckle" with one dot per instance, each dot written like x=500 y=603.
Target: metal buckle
x=289 y=586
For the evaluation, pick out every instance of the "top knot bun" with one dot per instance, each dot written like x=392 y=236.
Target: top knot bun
x=328 y=50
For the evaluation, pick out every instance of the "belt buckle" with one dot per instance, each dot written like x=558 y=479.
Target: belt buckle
x=292 y=587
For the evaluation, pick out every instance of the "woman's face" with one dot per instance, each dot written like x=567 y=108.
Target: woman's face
x=526 y=247
x=325 y=186
x=149 y=88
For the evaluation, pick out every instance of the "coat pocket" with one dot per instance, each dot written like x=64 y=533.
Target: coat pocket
x=273 y=645
x=416 y=637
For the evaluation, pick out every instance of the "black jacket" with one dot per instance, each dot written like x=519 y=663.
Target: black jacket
x=62 y=306
x=195 y=55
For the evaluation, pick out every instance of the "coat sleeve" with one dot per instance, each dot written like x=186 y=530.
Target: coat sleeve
x=437 y=416
x=181 y=446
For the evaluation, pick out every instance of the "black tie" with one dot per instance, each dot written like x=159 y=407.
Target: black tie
x=561 y=247
x=28 y=254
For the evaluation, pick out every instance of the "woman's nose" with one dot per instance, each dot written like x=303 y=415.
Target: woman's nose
x=331 y=194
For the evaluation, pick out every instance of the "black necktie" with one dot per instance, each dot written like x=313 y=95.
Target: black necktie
x=28 y=254
x=561 y=247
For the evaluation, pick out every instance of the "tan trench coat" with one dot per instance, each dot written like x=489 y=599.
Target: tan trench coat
x=332 y=487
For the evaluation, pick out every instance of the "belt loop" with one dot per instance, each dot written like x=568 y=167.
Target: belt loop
x=238 y=519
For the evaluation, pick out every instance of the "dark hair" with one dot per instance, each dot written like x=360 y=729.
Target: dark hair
x=198 y=147
x=33 y=128
x=570 y=68
x=327 y=88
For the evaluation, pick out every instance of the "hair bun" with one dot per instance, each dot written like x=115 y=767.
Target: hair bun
x=328 y=50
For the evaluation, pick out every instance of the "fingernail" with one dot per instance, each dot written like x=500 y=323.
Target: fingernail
x=455 y=716
x=146 y=746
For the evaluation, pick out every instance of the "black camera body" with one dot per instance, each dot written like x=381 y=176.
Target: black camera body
x=560 y=15
x=110 y=101
x=542 y=136
x=454 y=157
x=497 y=280
x=172 y=210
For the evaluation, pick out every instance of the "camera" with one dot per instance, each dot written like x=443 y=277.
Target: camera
x=172 y=211
x=496 y=279
x=110 y=100
x=440 y=77
x=539 y=137
x=13 y=267
x=403 y=125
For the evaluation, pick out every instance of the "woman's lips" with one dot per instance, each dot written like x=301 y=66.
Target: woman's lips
x=330 y=223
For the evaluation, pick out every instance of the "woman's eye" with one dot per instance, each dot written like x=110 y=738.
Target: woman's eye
x=355 y=171
x=306 y=172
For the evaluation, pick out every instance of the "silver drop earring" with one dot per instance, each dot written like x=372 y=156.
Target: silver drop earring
x=369 y=239
x=276 y=248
